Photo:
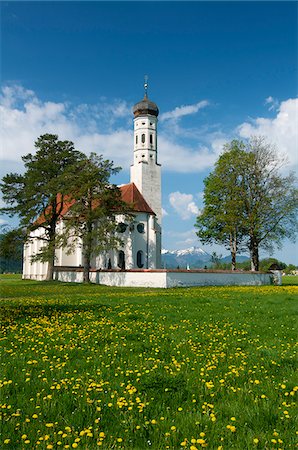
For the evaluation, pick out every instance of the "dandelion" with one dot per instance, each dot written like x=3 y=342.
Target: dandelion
x=256 y=441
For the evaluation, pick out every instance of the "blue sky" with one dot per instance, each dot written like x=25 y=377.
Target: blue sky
x=217 y=70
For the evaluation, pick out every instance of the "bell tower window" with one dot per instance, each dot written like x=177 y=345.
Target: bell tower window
x=143 y=138
x=136 y=139
x=151 y=139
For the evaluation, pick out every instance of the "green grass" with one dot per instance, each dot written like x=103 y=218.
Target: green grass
x=93 y=367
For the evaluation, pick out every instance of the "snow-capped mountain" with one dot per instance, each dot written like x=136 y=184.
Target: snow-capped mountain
x=193 y=257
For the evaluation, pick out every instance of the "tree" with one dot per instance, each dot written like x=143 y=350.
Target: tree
x=270 y=200
x=221 y=220
x=37 y=196
x=263 y=205
x=94 y=204
x=215 y=259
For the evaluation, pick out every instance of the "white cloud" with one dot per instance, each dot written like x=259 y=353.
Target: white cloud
x=179 y=158
x=282 y=130
x=184 y=205
x=105 y=128
x=24 y=117
x=182 y=239
x=272 y=102
x=181 y=111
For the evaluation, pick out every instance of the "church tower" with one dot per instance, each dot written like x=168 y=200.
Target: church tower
x=145 y=172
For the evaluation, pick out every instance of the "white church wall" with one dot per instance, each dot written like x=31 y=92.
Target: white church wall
x=168 y=279
x=35 y=270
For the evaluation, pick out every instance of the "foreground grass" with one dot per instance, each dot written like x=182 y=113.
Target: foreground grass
x=93 y=367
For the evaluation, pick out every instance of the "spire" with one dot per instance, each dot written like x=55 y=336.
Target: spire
x=146 y=85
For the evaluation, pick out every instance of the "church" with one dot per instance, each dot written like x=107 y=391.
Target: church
x=141 y=238
x=138 y=261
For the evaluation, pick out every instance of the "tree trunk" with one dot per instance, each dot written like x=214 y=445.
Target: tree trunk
x=233 y=255
x=86 y=269
x=254 y=256
x=51 y=260
x=233 y=249
x=50 y=270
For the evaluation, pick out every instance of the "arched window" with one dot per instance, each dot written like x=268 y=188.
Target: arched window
x=143 y=139
x=151 y=139
x=140 y=259
x=121 y=260
x=136 y=139
x=141 y=228
x=121 y=227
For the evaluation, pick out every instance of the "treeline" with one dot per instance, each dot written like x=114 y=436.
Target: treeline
x=264 y=265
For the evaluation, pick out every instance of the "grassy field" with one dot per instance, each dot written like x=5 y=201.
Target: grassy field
x=93 y=367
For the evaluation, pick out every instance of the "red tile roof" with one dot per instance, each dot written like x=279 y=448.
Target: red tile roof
x=131 y=195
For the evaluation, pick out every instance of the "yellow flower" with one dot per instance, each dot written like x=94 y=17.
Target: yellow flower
x=74 y=445
x=256 y=440
x=6 y=441
x=153 y=421
x=173 y=428
x=49 y=447
x=119 y=439
x=49 y=425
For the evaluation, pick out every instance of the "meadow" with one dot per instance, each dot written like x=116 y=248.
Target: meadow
x=92 y=367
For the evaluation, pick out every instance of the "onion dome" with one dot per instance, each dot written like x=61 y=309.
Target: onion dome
x=145 y=107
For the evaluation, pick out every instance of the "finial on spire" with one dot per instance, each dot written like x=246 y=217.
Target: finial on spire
x=146 y=85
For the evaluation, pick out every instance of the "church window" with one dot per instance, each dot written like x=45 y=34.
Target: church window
x=121 y=227
x=141 y=227
x=151 y=139
x=143 y=123
x=121 y=260
x=151 y=123
x=136 y=139
x=143 y=138
x=140 y=259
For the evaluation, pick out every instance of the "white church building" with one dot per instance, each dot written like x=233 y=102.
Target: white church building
x=141 y=238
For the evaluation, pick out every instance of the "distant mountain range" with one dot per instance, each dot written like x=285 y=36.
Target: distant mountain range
x=193 y=258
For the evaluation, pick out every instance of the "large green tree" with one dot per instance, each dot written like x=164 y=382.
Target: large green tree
x=38 y=195
x=248 y=200
x=221 y=220
x=270 y=199
x=94 y=203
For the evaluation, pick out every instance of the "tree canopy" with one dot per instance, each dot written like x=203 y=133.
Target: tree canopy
x=37 y=196
x=248 y=202
x=94 y=203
